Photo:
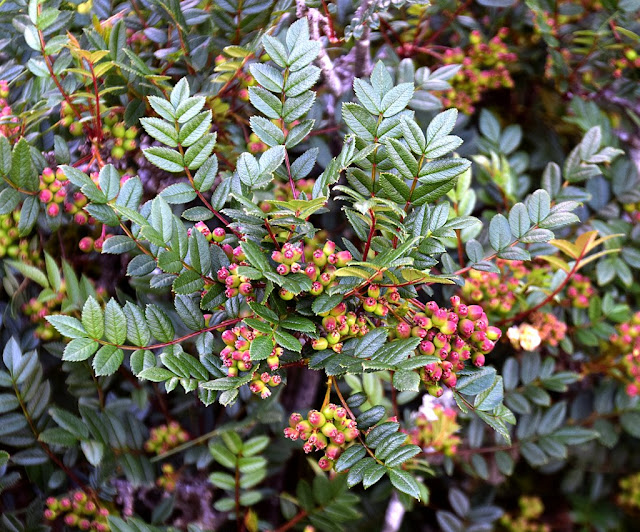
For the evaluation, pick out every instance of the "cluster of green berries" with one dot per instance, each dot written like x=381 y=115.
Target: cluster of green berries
x=11 y=245
x=453 y=336
x=579 y=291
x=52 y=190
x=436 y=432
x=531 y=508
x=484 y=67
x=124 y=138
x=78 y=511
x=629 y=495
x=163 y=438
x=8 y=122
x=236 y=357
x=626 y=342
x=282 y=192
x=114 y=131
x=329 y=430
x=320 y=266
x=36 y=309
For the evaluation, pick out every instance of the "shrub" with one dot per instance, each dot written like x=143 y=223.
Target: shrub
x=399 y=239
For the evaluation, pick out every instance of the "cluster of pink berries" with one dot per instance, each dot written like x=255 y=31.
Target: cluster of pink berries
x=163 y=438
x=77 y=510
x=626 y=341
x=329 y=430
x=552 y=331
x=236 y=357
x=52 y=190
x=579 y=291
x=453 y=335
x=235 y=283
x=484 y=67
x=217 y=235
x=496 y=291
x=7 y=120
x=320 y=267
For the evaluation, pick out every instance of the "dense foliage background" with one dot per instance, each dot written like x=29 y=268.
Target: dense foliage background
x=401 y=238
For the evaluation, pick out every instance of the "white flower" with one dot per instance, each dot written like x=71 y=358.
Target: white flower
x=525 y=337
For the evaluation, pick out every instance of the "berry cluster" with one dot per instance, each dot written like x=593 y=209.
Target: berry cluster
x=496 y=291
x=436 y=430
x=166 y=437
x=255 y=145
x=114 y=131
x=168 y=479
x=579 y=291
x=552 y=331
x=484 y=67
x=7 y=120
x=52 y=190
x=626 y=341
x=339 y=325
x=629 y=495
x=124 y=138
x=453 y=335
x=629 y=60
x=37 y=309
x=236 y=357
x=320 y=265
x=77 y=510
x=329 y=430
x=11 y=245
x=235 y=283
x=531 y=508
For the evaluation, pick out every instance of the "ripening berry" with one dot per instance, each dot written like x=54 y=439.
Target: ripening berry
x=285 y=294
x=316 y=418
x=75 y=128
x=219 y=234
x=53 y=209
x=319 y=344
x=118 y=130
x=370 y=304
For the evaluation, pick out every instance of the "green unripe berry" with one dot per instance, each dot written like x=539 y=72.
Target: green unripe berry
x=118 y=130
x=117 y=152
